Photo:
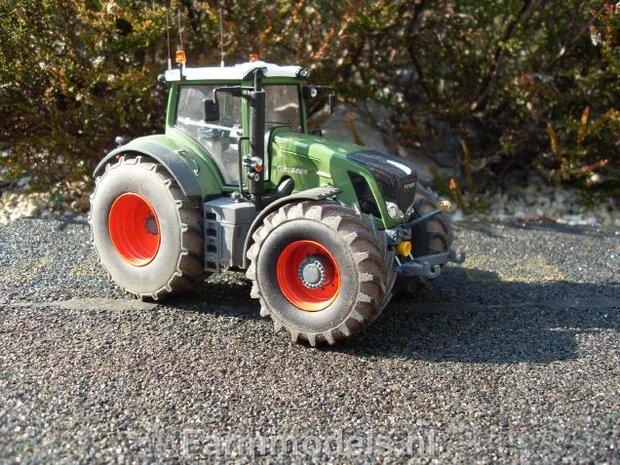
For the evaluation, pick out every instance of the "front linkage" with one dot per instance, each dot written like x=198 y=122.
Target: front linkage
x=427 y=266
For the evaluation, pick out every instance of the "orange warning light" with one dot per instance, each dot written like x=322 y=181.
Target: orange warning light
x=254 y=57
x=180 y=57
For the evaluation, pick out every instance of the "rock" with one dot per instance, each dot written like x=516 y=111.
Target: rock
x=350 y=123
x=24 y=181
x=421 y=163
x=530 y=199
x=445 y=159
x=379 y=113
x=369 y=125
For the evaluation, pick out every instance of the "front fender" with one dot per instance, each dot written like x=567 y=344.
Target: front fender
x=179 y=163
x=318 y=193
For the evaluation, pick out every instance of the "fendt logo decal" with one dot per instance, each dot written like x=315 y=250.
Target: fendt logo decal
x=292 y=169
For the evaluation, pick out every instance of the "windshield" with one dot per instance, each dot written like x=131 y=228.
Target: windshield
x=282 y=106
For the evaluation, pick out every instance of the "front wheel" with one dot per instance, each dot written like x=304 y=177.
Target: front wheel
x=320 y=271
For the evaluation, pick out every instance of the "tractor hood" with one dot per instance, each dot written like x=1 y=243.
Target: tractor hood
x=395 y=177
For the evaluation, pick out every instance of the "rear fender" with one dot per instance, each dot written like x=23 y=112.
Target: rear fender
x=181 y=171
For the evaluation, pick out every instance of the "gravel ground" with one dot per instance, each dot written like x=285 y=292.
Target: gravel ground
x=513 y=357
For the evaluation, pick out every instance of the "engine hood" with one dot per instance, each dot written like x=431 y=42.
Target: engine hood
x=396 y=177
x=319 y=148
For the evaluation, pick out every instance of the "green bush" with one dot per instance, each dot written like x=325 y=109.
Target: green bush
x=73 y=75
x=524 y=84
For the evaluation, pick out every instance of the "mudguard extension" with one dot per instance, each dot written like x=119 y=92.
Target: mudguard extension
x=170 y=159
x=318 y=193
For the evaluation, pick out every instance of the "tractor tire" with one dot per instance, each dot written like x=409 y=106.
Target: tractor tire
x=148 y=235
x=320 y=270
x=430 y=237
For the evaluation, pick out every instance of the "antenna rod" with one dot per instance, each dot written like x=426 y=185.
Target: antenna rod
x=221 y=41
x=180 y=29
x=180 y=53
x=168 y=41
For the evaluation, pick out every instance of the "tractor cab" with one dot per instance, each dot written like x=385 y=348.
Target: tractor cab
x=212 y=107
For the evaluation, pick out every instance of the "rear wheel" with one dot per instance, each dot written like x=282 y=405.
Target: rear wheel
x=147 y=233
x=320 y=271
x=430 y=237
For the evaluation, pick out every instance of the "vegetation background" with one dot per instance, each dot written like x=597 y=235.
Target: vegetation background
x=521 y=85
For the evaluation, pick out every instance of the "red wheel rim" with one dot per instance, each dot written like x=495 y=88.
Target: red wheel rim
x=134 y=229
x=308 y=275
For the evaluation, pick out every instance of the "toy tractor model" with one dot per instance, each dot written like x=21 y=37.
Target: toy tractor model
x=326 y=230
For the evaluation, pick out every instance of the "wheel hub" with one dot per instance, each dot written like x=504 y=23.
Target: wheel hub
x=308 y=275
x=314 y=272
x=151 y=226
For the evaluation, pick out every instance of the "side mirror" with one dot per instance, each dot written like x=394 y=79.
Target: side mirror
x=311 y=91
x=332 y=103
x=211 y=110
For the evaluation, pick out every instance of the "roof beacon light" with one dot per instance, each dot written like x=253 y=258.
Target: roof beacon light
x=254 y=57
x=180 y=58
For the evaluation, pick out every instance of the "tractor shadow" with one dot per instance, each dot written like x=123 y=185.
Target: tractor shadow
x=493 y=321
x=468 y=316
x=226 y=295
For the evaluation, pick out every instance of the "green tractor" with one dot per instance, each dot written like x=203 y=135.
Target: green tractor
x=327 y=231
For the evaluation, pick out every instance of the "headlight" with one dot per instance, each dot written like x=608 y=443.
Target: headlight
x=394 y=212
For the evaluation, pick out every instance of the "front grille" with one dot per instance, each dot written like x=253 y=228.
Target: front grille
x=406 y=194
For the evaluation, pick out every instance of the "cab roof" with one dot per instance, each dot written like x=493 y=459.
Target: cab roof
x=232 y=73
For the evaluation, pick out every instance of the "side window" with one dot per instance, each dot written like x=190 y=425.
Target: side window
x=219 y=138
x=282 y=106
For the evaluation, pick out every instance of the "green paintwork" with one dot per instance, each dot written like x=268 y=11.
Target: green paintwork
x=309 y=160
x=313 y=161
x=191 y=153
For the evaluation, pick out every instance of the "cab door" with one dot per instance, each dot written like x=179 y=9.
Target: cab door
x=219 y=138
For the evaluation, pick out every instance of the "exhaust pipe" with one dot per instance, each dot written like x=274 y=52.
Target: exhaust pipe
x=256 y=160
